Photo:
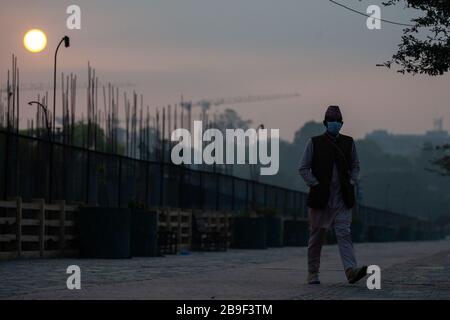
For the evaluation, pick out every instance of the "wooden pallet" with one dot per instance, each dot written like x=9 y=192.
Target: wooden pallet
x=216 y=221
x=29 y=225
x=178 y=221
x=36 y=229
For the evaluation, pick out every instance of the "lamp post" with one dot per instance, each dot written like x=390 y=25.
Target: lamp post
x=47 y=124
x=36 y=41
x=50 y=169
x=66 y=41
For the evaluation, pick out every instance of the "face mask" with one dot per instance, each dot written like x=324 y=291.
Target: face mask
x=333 y=127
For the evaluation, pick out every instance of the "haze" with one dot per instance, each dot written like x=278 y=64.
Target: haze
x=212 y=48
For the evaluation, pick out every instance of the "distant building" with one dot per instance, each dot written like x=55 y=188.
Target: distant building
x=405 y=144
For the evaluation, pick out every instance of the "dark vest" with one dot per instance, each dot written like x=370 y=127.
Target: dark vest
x=324 y=156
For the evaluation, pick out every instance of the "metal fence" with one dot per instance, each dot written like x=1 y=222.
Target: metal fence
x=35 y=168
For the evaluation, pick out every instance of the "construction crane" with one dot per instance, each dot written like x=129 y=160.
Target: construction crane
x=206 y=104
x=42 y=86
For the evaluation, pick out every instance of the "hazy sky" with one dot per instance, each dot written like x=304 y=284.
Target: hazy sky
x=216 y=48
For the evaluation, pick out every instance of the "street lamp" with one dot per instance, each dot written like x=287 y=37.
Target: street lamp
x=47 y=124
x=50 y=179
x=66 y=41
x=35 y=41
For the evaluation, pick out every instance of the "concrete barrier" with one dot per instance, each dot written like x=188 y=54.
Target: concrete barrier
x=330 y=237
x=248 y=233
x=381 y=234
x=296 y=233
x=105 y=233
x=144 y=233
x=359 y=232
x=274 y=232
x=405 y=234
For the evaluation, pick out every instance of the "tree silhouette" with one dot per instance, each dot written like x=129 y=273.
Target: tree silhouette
x=443 y=163
x=424 y=47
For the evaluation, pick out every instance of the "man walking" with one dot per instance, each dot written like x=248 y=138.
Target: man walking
x=330 y=168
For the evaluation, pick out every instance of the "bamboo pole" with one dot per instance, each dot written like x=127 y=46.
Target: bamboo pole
x=41 y=227
x=19 y=226
x=62 y=222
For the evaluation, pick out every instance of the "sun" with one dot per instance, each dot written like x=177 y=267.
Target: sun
x=35 y=40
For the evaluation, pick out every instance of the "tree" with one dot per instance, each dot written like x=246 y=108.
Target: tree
x=425 y=49
x=425 y=46
x=230 y=119
x=443 y=163
x=309 y=129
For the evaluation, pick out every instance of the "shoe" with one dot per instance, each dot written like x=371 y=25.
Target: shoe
x=356 y=274
x=313 y=278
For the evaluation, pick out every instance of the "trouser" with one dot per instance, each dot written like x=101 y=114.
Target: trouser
x=341 y=225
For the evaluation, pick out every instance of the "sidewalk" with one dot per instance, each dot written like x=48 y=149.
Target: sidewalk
x=409 y=270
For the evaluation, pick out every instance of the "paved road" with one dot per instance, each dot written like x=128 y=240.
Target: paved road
x=410 y=270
